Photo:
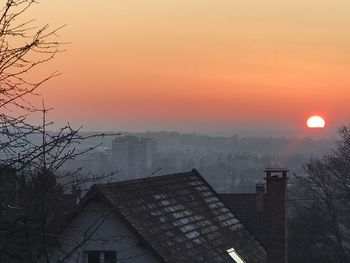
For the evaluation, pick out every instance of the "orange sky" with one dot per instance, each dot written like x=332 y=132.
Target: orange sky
x=199 y=65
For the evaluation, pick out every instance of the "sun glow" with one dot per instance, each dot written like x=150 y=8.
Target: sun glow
x=316 y=122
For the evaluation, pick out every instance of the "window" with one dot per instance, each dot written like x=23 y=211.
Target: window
x=232 y=252
x=100 y=257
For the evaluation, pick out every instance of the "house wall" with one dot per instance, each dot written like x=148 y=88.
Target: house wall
x=104 y=231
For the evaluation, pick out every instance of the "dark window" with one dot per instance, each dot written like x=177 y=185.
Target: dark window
x=93 y=257
x=100 y=257
x=110 y=257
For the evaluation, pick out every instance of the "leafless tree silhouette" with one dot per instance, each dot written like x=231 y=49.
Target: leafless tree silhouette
x=30 y=155
x=23 y=47
x=320 y=229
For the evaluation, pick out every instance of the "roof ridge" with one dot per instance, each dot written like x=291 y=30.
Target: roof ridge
x=149 y=178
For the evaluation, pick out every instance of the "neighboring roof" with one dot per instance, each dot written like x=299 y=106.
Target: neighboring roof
x=244 y=207
x=180 y=218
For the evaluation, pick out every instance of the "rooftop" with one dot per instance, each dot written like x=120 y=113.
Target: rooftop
x=181 y=219
x=244 y=207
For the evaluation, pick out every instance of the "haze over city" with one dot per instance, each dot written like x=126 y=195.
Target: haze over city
x=177 y=131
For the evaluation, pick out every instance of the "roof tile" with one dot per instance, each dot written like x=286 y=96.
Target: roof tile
x=181 y=212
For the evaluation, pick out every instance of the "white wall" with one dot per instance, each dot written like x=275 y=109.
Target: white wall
x=111 y=234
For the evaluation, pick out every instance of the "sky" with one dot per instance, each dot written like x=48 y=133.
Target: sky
x=215 y=67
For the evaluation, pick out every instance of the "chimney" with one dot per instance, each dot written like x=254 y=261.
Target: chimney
x=259 y=199
x=76 y=191
x=276 y=215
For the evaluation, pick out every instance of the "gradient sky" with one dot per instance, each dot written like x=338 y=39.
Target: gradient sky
x=203 y=66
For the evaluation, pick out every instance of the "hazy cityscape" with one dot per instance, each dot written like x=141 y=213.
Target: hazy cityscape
x=174 y=131
x=230 y=164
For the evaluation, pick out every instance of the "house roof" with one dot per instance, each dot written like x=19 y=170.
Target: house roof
x=244 y=207
x=181 y=218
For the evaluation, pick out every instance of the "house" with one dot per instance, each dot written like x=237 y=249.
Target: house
x=264 y=213
x=170 y=218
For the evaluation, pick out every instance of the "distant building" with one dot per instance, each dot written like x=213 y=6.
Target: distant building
x=132 y=156
x=96 y=162
x=151 y=149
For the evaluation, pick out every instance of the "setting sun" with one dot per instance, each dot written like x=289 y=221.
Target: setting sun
x=316 y=122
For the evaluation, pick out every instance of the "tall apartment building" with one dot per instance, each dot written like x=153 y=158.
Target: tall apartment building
x=132 y=156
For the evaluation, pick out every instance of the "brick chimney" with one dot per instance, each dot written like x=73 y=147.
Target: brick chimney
x=259 y=199
x=276 y=215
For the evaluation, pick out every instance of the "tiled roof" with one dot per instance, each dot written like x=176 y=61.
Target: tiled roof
x=181 y=219
x=244 y=207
